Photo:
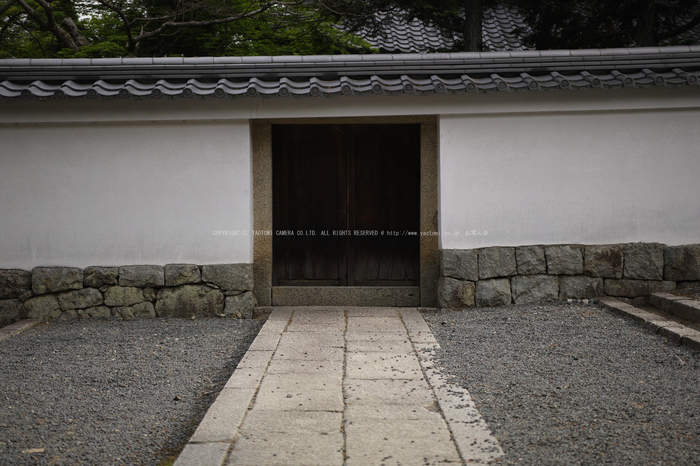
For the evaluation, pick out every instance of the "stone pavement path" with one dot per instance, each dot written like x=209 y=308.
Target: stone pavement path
x=341 y=386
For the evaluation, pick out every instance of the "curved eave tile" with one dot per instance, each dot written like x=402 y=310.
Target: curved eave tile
x=346 y=86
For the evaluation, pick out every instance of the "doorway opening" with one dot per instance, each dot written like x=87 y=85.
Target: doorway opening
x=376 y=279
x=346 y=205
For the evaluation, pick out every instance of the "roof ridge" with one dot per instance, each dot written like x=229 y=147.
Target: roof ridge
x=631 y=53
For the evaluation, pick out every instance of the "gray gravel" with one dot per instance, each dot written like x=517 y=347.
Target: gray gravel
x=110 y=391
x=575 y=384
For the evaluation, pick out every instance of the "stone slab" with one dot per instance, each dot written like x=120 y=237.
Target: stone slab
x=382 y=366
x=663 y=301
x=246 y=377
x=376 y=324
x=309 y=328
x=414 y=392
x=658 y=324
x=376 y=336
x=474 y=439
x=402 y=346
x=298 y=449
x=271 y=399
x=360 y=412
x=255 y=359
x=203 y=454
x=314 y=353
x=319 y=315
x=300 y=340
x=687 y=309
x=16 y=328
x=266 y=342
x=225 y=415
x=298 y=384
x=371 y=312
x=425 y=441
x=286 y=366
x=288 y=422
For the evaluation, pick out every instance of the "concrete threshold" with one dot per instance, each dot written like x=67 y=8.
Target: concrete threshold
x=341 y=386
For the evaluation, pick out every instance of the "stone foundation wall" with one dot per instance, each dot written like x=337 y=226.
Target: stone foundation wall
x=176 y=290
x=496 y=276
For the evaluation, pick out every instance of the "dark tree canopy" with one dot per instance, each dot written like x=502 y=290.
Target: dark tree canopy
x=552 y=24
x=573 y=24
x=113 y=28
x=108 y=28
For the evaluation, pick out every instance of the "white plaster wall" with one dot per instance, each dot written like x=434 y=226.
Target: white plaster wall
x=590 y=178
x=119 y=194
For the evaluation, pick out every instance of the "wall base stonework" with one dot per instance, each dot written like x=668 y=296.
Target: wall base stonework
x=526 y=274
x=134 y=291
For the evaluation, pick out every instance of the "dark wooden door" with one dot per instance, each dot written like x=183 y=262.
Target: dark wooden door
x=346 y=205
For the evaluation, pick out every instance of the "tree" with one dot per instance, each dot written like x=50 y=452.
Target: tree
x=99 y=28
x=573 y=24
x=460 y=20
x=551 y=24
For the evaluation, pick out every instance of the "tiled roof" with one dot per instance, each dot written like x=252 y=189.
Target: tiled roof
x=498 y=34
x=316 y=76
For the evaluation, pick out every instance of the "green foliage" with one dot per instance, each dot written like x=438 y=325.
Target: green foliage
x=197 y=31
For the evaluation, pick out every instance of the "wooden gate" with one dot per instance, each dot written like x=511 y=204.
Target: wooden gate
x=346 y=202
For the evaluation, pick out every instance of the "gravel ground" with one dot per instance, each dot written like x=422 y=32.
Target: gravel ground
x=575 y=384
x=110 y=391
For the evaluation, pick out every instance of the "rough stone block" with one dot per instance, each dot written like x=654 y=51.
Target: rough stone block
x=97 y=277
x=143 y=310
x=530 y=260
x=603 y=261
x=120 y=296
x=460 y=264
x=534 y=288
x=626 y=288
x=96 y=312
x=141 y=275
x=455 y=294
x=55 y=279
x=694 y=285
x=123 y=312
x=14 y=283
x=564 y=260
x=578 y=287
x=80 y=299
x=495 y=292
x=189 y=300
x=240 y=305
x=687 y=309
x=661 y=287
x=497 y=262
x=11 y=311
x=44 y=307
x=149 y=294
x=682 y=263
x=182 y=274
x=644 y=261
x=235 y=277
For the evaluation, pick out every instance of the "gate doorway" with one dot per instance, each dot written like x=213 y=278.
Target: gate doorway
x=346 y=205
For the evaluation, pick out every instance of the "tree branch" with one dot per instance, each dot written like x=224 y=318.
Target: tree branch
x=185 y=24
x=50 y=23
x=7 y=6
x=681 y=29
